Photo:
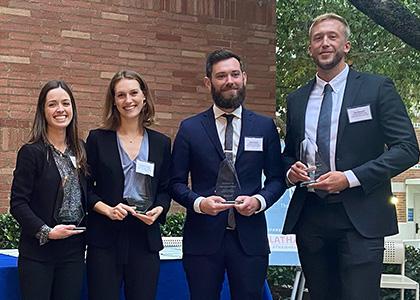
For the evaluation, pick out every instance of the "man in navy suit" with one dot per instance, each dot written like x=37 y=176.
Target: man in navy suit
x=211 y=244
x=341 y=220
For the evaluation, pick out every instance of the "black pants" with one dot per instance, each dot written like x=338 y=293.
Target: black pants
x=337 y=261
x=106 y=272
x=246 y=273
x=50 y=280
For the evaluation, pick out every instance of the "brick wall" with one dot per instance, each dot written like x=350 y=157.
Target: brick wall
x=86 y=42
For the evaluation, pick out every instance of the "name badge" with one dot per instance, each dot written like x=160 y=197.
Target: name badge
x=145 y=168
x=253 y=143
x=73 y=161
x=358 y=114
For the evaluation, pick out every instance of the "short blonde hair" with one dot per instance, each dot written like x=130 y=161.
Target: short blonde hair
x=331 y=16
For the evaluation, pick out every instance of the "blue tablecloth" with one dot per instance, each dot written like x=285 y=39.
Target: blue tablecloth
x=172 y=283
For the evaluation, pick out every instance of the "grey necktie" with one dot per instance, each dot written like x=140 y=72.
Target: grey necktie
x=229 y=156
x=229 y=137
x=323 y=132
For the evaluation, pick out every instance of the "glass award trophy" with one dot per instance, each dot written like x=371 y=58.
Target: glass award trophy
x=227 y=184
x=309 y=155
x=69 y=212
x=143 y=200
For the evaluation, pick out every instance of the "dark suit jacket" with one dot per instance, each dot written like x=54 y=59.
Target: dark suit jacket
x=36 y=181
x=106 y=184
x=375 y=150
x=197 y=151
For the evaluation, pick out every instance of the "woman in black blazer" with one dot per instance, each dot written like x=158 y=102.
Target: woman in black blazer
x=48 y=199
x=129 y=166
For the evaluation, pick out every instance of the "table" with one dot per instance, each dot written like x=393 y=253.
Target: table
x=172 y=284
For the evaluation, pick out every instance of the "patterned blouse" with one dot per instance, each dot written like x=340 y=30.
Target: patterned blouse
x=71 y=210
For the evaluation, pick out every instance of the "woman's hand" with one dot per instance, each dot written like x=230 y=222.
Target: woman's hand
x=149 y=217
x=119 y=212
x=63 y=231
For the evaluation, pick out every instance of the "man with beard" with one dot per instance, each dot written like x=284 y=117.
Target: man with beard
x=364 y=138
x=225 y=228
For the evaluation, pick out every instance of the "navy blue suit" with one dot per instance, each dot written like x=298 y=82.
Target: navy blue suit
x=198 y=152
x=375 y=149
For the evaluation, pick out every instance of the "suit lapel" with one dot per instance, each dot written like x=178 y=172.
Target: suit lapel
x=155 y=156
x=350 y=92
x=300 y=107
x=209 y=125
x=246 y=130
x=111 y=144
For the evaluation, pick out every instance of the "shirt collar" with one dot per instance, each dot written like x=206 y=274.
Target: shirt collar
x=218 y=112
x=336 y=83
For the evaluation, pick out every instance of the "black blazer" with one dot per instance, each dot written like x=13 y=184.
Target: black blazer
x=106 y=184
x=375 y=150
x=36 y=181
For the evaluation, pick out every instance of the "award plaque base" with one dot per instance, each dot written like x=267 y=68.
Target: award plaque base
x=306 y=183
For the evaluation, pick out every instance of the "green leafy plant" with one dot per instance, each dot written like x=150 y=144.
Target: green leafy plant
x=174 y=225
x=9 y=232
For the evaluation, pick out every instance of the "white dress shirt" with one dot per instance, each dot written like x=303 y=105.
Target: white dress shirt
x=221 y=124
x=338 y=84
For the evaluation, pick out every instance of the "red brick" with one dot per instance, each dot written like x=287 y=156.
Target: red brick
x=168 y=37
x=168 y=33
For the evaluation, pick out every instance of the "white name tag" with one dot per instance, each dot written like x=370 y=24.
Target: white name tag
x=358 y=114
x=73 y=161
x=145 y=168
x=253 y=143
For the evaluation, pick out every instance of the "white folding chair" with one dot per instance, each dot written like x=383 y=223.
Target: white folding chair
x=395 y=254
x=172 y=241
x=298 y=285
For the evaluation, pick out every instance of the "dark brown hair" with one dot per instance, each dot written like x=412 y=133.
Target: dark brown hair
x=39 y=127
x=219 y=55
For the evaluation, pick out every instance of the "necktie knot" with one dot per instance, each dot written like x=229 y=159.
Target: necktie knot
x=229 y=118
x=328 y=89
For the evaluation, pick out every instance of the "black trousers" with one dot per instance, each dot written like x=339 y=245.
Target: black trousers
x=246 y=273
x=338 y=263
x=129 y=263
x=51 y=280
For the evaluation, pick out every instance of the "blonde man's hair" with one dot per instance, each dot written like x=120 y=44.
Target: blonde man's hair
x=331 y=16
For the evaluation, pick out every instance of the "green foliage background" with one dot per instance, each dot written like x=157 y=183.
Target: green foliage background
x=374 y=50
x=9 y=232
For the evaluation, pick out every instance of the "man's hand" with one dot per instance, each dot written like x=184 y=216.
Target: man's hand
x=298 y=173
x=246 y=205
x=213 y=205
x=332 y=182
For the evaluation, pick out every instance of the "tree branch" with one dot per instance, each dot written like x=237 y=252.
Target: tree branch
x=394 y=17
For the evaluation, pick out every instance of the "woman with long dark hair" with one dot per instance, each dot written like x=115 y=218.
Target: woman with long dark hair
x=129 y=165
x=48 y=199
